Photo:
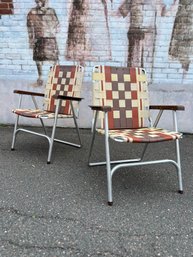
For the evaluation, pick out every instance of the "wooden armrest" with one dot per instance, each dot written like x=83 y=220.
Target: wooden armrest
x=167 y=107
x=100 y=108
x=65 y=97
x=21 y=92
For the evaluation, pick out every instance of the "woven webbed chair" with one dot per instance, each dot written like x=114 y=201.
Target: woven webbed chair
x=60 y=101
x=122 y=113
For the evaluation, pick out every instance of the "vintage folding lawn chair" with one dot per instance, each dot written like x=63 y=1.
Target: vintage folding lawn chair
x=61 y=99
x=120 y=96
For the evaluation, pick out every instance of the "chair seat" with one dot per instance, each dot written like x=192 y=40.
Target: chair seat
x=142 y=135
x=37 y=113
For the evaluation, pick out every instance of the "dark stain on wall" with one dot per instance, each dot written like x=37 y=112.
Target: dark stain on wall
x=135 y=51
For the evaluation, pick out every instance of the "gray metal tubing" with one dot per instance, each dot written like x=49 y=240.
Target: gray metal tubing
x=108 y=163
x=33 y=133
x=158 y=118
x=144 y=150
x=178 y=152
x=92 y=143
x=14 y=132
x=34 y=101
x=43 y=126
x=154 y=125
x=179 y=164
x=144 y=163
x=46 y=136
x=114 y=162
x=53 y=131
x=93 y=122
x=66 y=143
x=16 y=124
x=75 y=122
x=36 y=106
x=93 y=136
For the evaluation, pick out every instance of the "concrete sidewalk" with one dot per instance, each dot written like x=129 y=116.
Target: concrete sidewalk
x=60 y=209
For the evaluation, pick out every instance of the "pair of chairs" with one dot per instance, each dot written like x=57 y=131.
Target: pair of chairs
x=121 y=112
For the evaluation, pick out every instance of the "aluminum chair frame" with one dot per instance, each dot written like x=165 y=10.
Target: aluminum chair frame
x=118 y=164
x=51 y=139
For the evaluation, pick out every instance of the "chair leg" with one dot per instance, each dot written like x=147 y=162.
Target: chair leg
x=51 y=139
x=43 y=126
x=51 y=142
x=16 y=125
x=91 y=146
x=14 y=133
x=109 y=174
x=178 y=155
x=77 y=130
x=93 y=130
x=179 y=167
x=108 y=163
x=76 y=124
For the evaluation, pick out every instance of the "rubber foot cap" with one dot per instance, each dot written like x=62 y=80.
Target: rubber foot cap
x=110 y=203
x=180 y=192
x=12 y=149
x=48 y=162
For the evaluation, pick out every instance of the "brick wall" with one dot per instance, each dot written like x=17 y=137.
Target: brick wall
x=6 y=7
x=104 y=32
x=107 y=45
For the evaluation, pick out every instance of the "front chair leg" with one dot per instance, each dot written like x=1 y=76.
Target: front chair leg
x=16 y=125
x=179 y=167
x=178 y=154
x=109 y=174
x=108 y=162
x=14 y=133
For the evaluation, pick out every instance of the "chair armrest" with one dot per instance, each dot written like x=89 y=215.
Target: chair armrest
x=100 y=108
x=167 y=107
x=27 y=93
x=65 y=97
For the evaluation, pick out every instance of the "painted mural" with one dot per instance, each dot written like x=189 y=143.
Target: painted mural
x=181 y=45
x=141 y=33
x=42 y=24
x=88 y=31
x=120 y=32
x=142 y=30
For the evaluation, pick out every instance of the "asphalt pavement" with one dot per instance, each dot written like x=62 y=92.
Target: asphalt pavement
x=60 y=209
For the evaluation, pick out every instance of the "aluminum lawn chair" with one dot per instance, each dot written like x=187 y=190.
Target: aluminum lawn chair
x=61 y=100
x=121 y=107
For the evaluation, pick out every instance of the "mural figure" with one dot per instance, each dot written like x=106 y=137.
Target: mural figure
x=181 y=44
x=88 y=31
x=42 y=24
x=142 y=31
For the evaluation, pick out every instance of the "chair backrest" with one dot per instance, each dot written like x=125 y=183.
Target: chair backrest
x=63 y=80
x=126 y=91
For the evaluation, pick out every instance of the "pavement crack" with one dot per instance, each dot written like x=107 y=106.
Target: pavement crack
x=30 y=246
x=28 y=215
x=35 y=216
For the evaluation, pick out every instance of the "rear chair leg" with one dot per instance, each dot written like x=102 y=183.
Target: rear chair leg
x=51 y=139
